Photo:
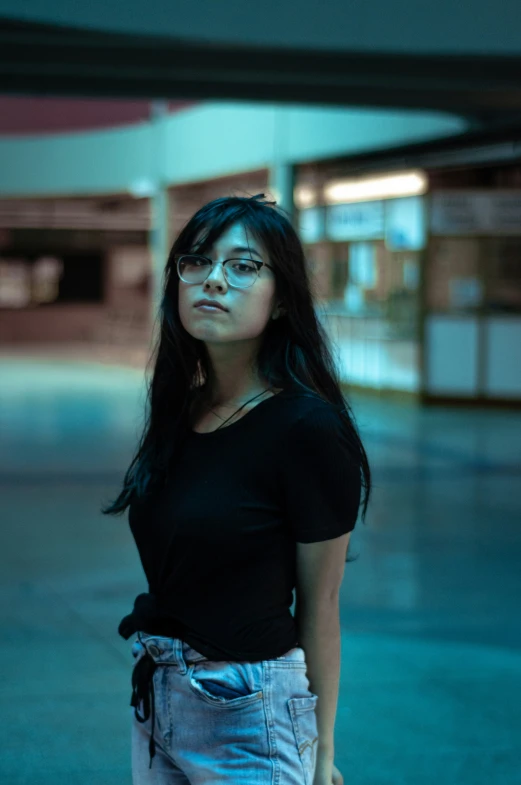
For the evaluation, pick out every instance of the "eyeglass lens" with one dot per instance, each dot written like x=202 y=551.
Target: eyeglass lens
x=239 y=272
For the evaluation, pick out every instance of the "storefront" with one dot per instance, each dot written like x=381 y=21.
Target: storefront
x=421 y=293
x=472 y=328
x=365 y=258
x=74 y=270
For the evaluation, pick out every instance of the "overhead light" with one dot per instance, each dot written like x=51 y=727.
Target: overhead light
x=364 y=189
x=143 y=188
x=304 y=196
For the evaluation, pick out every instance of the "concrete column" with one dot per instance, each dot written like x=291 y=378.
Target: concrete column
x=159 y=240
x=281 y=183
x=282 y=177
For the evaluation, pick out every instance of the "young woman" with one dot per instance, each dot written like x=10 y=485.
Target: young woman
x=246 y=485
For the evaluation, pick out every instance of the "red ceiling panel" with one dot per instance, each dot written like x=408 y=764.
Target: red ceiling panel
x=21 y=115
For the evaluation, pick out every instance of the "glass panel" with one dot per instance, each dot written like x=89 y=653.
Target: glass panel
x=503 y=274
x=366 y=279
x=45 y=279
x=339 y=271
x=370 y=306
x=15 y=283
x=453 y=278
x=402 y=304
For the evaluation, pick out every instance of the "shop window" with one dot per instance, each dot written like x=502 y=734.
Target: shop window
x=339 y=270
x=502 y=267
x=401 y=295
x=366 y=279
x=28 y=280
x=453 y=277
x=384 y=284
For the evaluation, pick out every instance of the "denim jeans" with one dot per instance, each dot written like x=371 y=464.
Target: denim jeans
x=225 y=723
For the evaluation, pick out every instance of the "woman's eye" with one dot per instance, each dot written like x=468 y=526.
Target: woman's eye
x=243 y=267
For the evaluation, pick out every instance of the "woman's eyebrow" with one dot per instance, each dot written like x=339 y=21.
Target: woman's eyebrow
x=245 y=249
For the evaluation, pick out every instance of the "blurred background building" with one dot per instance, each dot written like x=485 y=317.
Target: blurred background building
x=395 y=147
x=411 y=222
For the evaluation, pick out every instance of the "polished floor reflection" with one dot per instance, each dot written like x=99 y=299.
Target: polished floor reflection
x=431 y=630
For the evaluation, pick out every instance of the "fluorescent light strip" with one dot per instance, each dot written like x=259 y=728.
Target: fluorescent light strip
x=383 y=187
x=305 y=196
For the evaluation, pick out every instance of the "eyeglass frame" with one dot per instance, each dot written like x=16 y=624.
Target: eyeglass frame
x=179 y=256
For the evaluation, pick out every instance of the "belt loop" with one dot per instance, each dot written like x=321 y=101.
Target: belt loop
x=179 y=656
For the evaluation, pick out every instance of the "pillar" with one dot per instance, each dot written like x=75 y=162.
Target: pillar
x=159 y=238
x=281 y=183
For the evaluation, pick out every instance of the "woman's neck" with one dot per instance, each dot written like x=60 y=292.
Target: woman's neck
x=238 y=395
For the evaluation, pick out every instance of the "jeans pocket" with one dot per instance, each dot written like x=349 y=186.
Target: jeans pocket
x=304 y=721
x=137 y=651
x=225 y=684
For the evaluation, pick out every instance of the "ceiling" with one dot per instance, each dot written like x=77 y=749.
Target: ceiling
x=21 y=115
x=46 y=58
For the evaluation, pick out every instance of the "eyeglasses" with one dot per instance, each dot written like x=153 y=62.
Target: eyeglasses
x=240 y=273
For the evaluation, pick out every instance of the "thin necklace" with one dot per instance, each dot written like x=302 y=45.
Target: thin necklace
x=242 y=407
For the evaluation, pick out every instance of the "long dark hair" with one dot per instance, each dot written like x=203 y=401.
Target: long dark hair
x=294 y=352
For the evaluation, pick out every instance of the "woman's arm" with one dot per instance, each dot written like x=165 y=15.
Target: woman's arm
x=320 y=569
x=319 y=636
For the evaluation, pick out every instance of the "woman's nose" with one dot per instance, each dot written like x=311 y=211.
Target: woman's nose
x=217 y=273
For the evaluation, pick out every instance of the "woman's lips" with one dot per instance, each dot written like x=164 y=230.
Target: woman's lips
x=210 y=309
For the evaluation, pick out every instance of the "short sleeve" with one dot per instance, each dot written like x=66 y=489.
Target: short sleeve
x=322 y=480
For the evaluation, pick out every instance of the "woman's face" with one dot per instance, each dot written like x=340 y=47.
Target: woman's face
x=248 y=310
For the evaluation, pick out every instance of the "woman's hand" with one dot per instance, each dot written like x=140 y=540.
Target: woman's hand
x=326 y=773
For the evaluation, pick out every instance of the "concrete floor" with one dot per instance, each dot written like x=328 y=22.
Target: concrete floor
x=431 y=665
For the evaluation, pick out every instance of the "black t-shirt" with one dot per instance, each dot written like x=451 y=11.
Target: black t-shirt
x=218 y=545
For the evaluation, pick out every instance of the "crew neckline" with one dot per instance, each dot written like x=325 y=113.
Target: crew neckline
x=239 y=421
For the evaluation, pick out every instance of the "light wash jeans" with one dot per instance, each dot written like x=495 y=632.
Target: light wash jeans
x=225 y=723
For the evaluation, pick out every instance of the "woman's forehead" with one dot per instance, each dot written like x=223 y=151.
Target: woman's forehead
x=235 y=236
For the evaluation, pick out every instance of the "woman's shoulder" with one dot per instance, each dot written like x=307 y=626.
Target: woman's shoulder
x=307 y=398
x=307 y=409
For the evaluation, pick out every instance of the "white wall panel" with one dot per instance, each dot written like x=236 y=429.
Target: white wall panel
x=503 y=356
x=364 y=356
x=451 y=346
